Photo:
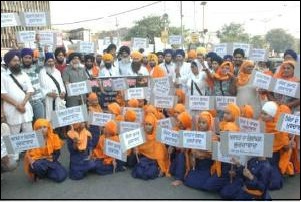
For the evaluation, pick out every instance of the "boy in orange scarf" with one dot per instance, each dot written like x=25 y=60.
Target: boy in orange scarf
x=153 y=159
x=105 y=164
x=43 y=162
x=80 y=148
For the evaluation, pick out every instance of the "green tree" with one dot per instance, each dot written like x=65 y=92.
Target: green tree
x=279 y=40
x=258 y=41
x=233 y=33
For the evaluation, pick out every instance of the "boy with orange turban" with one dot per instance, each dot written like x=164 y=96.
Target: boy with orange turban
x=115 y=109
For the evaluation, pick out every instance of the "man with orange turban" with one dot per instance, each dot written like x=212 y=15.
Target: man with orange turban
x=130 y=116
x=106 y=164
x=43 y=162
x=153 y=159
x=134 y=103
x=154 y=70
x=136 y=65
x=109 y=69
x=181 y=96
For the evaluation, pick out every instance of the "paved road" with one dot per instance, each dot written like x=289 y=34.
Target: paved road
x=118 y=186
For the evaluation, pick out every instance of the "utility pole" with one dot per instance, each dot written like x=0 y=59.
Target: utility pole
x=181 y=12
x=203 y=3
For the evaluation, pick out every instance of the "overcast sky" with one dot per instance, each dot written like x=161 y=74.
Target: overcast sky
x=258 y=17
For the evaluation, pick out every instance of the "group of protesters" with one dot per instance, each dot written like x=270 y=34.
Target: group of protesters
x=32 y=90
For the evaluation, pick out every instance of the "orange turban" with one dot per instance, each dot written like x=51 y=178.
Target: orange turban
x=208 y=117
x=130 y=116
x=234 y=110
x=242 y=77
x=151 y=119
x=219 y=76
x=136 y=55
x=181 y=96
x=133 y=103
x=107 y=57
x=114 y=108
x=92 y=97
x=153 y=110
x=179 y=108
x=192 y=54
x=247 y=111
x=152 y=57
x=201 y=50
x=185 y=119
x=111 y=128
x=36 y=53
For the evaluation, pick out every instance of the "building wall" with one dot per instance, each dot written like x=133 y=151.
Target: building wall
x=17 y=7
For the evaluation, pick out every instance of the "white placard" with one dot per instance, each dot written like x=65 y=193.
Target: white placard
x=261 y=80
x=86 y=47
x=169 y=137
x=26 y=36
x=221 y=49
x=284 y=87
x=24 y=141
x=218 y=156
x=131 y=139
x=135 y=93
x=194 y=139
x=175 y=40
x=78 y=88
x=107 y=41
x=258 y=54
x=199 y=103
x=10 y=20
x=165 y=123
x=3 y=147
x=139 y=43
x=69 y=116
x=47 y=37
x=249 y=125
x=119 y=84
x=113 y=149
x=289 y=123
x=244 y=46
x=223 y=101
x=164 y=102
x=37 y=19
x=99 y=119
x=125 y=126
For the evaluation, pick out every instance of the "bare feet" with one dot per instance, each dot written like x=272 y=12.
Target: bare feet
x=176 y=183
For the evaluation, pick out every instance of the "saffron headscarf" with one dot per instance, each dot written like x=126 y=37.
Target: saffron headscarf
x=221 y=77
x=243 y=78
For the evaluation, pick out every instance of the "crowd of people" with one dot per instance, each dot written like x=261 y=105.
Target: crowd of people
x=32 y=90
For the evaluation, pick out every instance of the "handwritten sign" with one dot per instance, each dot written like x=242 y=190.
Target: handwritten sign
x=244 y=46
x=69 y=116
x=289 y=123
x=108 y=40
x=3 y=148
x=85 y=47
x=162 y=86
x=223 y=101
x=165 y=123
x=139 y=113
x=196 y=140
x=221 y=49
x=250 y=125
x=10 y=19
x=165 y=102
x=200 y=103
x=247 y=144
x=135 y=93
x=26 y=36
x=46 y=37
x=99 y=119
x=139 y=43
x=17 y=143
x=125 y=126
x=288 y=88
x=259 y=55
x=37 y=19
x=169 y=137
x=175 y=40
x=260 y=80
x=131 y=139
x=78 y=88
x=113 y=149
x=119 y=84
x=218 y=156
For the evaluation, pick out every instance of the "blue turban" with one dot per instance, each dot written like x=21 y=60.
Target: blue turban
x=291 y=53
x=211 y=55
x=10 y=55
x=217 y=58
x=180 y=52
x=48 y=56
x=26 y=51
x=239 y=51
x=168 y=51
x=226 y=57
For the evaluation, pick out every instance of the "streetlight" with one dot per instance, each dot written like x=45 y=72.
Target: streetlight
x=203 y=3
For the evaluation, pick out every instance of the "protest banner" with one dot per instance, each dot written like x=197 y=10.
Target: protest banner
x=244 y=46
x=284 y=87
x=131 y=139
x=113 y=149
x=135 y=93
x=69 y=116
x=247 y=144
x=175 y=40
x=261 y=80
x=26 y=36
x=99 y=119
x=221 y=49
x=78 y=88
x=259 y=55
x=195 y=139
x=85 y=47
x=10 y=19
x=199 y=103
x=124 y=126
x=169 y=137
x=110 y=40
x=250 y=125
x=289 y=123
x=162 y=86
x=165 y=123
x=3 y=148
x=139 y=43
x=119 y=84
x=139 y=113
x=218 y=156
x=46 y=37
x=223 y=101
x=17 y=143
x=35 y=19
x=164 y=102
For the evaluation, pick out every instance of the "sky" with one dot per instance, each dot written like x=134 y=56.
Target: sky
x=258 y=17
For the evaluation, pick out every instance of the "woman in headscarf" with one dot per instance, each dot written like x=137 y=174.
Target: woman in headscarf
x=43 y=162
x=80 y=148
x=153 y=158
x=106 y=164
x=115 y=109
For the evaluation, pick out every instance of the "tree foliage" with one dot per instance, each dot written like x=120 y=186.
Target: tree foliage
x=233 y=33
x=279 y=40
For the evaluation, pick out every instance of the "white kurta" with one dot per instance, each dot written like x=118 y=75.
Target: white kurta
x=142 y=71
x=200 y=81
x=124 y=67
x=114 y=71
x=169 y=69
x=185 y=71
x=8 y=86
x=48 y=86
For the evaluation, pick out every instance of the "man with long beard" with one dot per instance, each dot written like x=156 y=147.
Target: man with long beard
x=125 y=61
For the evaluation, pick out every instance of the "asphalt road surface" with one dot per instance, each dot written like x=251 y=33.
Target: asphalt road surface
x=15 y=185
